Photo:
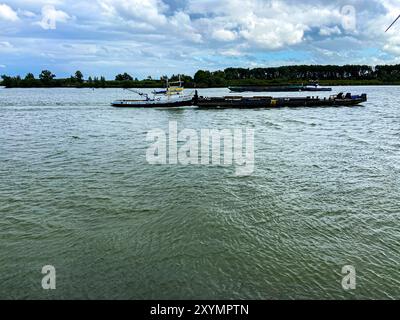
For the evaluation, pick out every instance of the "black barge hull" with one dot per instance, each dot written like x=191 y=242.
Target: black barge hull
x=270 y=102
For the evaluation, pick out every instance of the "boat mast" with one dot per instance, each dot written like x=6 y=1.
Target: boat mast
x=174 y=87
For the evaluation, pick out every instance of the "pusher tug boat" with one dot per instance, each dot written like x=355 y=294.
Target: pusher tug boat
x=157 y=102
x=170 y=97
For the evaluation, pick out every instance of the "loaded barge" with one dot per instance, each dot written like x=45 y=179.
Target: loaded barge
x=240 y=102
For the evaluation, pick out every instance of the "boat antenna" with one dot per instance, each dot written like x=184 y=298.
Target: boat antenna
x=392 y=24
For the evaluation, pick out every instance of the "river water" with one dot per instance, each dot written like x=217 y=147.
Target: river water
x=76 y=192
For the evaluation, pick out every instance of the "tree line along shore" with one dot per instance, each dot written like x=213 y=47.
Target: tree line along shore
x=326 y=75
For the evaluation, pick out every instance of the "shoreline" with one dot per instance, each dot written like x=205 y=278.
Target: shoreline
x=324 y=75
x=158 y=84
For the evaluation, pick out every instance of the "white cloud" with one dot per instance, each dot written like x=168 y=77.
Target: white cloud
x=5 y=44
x=51 y=16
x=267 y=25
x=231 y=52
x=328 y=31
x=7 y=13
x=224 y=35
x=150 y=11
x=149 y=16
x=182 y=35
x=393 y=44
x=373 y=29
x=26 y=13
x=273 y=34
x=181 y=25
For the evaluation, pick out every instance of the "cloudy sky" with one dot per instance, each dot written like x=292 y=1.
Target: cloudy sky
x=156 y=37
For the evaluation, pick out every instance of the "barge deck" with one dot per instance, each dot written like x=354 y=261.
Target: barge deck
x=241 y=102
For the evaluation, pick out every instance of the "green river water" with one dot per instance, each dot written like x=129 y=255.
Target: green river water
x=76 y=192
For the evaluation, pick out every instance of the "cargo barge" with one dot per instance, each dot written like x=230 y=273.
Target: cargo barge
x=240 y=102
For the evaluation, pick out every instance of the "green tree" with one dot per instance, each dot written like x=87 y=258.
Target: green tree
x=202 y=78
x=11 y=82
x=96 y=82
x=79 y=76
x=6 y=80
x=29 y=81
x=102 y=82
x=46 y=77
x=123 y=77
x=30 y=76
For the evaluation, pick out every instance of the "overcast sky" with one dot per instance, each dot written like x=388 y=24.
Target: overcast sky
x=156 y=37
